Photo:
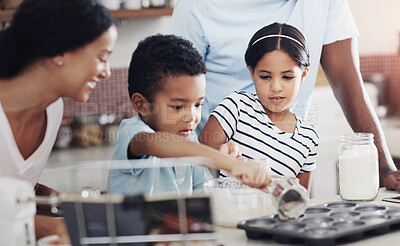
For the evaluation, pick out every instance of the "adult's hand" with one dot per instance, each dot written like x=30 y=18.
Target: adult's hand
x=392 y=181
x=43 y=190
x=46 y=226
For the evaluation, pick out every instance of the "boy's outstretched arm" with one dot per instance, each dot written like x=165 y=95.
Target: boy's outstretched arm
x=164 y=145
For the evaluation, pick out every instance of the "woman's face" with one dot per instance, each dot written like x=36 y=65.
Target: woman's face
x=81 y=69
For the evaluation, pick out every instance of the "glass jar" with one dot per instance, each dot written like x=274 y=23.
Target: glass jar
x=357 y=167
x=289 y=197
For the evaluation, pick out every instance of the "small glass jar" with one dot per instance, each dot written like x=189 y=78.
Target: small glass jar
x=289 y=197
x=357 y=167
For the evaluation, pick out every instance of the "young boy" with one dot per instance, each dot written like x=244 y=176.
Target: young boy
x=167 y=88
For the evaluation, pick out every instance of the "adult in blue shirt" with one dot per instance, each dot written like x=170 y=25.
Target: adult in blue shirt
x=220 y=30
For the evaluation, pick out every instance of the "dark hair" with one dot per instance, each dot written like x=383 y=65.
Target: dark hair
x=299 y=52
x=46 y=28
x=158 y=57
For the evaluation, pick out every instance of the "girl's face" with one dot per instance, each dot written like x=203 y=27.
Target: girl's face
x=176 y=108
x=277 y=79
x=84 y=67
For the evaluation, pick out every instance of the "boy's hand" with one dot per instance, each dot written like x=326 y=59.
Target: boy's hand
x=230 y=148
x=252 y=173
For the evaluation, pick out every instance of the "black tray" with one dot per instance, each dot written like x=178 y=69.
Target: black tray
x=326 y=224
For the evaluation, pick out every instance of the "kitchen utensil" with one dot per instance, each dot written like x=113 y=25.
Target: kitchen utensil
x=288 y=196
x=234 y=201
x=358 y=167
x=133 y=4
x=111 y=4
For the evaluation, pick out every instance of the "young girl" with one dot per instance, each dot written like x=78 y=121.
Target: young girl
x=261 y=124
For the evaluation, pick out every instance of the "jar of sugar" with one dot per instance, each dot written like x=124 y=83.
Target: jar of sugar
x=358 y=167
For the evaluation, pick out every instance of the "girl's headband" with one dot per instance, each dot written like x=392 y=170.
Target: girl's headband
x=279 y=36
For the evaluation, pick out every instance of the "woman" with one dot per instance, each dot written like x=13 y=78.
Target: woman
x=52 y=49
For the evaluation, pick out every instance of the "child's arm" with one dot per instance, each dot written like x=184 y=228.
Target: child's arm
x=164 y=144
x=305 y=179
x=213 y=134
x=230 y=148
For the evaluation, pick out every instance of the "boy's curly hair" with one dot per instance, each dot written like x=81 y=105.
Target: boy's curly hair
x=159 y=57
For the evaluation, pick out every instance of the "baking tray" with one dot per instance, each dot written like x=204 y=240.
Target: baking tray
x=326 y=224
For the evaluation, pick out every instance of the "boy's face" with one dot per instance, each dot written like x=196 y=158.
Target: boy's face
x=176 y=108
x=277 y=79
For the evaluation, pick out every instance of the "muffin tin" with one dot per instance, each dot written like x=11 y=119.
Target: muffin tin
x=326 y=224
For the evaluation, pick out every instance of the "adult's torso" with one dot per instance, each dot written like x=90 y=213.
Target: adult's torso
x=228 y=25
x=12 y=162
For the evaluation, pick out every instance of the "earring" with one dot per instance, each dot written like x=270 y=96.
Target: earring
x=60 y=63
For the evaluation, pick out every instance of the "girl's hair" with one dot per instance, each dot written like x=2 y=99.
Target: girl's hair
x=47 y=28
x=285 y=40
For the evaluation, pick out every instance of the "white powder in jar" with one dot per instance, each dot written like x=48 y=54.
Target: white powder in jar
x=358 y=173
x=230 y=206
x=242 y=205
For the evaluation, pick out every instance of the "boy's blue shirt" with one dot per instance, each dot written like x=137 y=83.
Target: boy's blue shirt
x=182 y=179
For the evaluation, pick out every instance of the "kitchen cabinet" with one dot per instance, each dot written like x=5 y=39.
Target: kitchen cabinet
x=6 y=14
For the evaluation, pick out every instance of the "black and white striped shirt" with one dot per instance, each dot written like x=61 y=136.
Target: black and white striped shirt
x=245 y=122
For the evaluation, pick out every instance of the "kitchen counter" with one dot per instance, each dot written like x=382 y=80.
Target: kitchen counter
x=237 y=237
x=55 y=176
x=73 y=155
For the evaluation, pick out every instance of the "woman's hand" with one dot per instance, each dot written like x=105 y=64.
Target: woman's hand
x=46 y=226
x=43 y=190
